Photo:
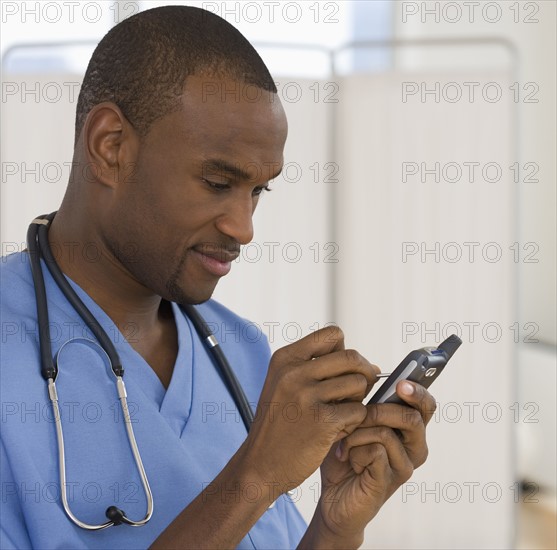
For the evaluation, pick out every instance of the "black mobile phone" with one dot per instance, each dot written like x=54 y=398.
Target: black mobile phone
x=422 y=366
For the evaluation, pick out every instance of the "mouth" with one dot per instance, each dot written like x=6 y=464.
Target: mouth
x=216 y=262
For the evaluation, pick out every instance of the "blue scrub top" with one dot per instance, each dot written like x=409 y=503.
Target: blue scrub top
x=186 y=434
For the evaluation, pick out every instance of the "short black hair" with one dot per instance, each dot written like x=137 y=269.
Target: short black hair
x=142 y=63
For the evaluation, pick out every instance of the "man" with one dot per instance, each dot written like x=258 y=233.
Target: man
x=165 y=181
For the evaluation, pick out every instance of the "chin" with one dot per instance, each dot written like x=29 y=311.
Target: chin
x=185 y=296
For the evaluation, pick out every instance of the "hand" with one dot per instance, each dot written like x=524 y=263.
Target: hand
x=311 y=398
x=295 y=425
x=368 y=466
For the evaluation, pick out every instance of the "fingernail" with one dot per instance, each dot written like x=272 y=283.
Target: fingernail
x=338 y=452
x=407 y=388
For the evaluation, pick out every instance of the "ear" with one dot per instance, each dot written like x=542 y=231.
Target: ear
x=110 y=144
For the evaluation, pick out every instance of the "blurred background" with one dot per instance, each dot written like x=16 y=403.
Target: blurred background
x=417 y=201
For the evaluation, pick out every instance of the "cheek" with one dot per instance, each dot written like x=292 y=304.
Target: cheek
x=157 y=190
x=166 y=197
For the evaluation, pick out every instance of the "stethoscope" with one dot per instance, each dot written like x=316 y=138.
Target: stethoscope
x=39 y=247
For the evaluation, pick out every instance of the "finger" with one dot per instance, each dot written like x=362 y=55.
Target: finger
x=349 y=386
x=417 y=397
x=408 y=423
x=347 y=416
x=343 y=362
x=358 y=449
x=372 y=456
x=318 y=343
x=364 y=436
x=375 y=461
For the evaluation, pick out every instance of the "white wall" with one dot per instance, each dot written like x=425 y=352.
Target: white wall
x=530 y=28
x=38 y=114
x=394 y=297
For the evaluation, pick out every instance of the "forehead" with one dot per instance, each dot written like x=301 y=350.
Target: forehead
x=231 y=120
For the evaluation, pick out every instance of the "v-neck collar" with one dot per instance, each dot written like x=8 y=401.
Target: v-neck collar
x=175 y=402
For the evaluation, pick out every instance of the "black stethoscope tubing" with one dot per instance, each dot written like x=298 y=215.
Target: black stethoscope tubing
x=37 y=239
x=39 y=248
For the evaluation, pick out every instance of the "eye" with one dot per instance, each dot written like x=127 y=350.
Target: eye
x=217 y=186
x=258 y=190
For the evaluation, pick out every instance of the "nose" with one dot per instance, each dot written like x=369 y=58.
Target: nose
x=236 y=221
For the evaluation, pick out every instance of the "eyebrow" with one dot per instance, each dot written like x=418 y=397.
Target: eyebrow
x=220 y=165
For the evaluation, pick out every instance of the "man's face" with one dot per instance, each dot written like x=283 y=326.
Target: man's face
x=199 y=175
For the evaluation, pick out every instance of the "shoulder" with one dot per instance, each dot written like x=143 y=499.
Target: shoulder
x=15 y=275
x=19 y=325
x=18 y=305
x=244 y=342
x=215 y=311
x=229 y=326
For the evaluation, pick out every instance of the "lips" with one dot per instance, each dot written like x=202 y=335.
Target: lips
x=216 y=261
